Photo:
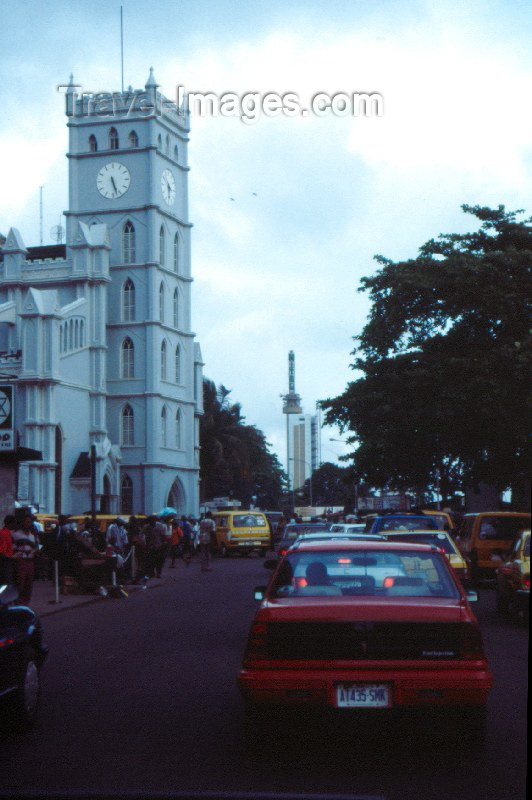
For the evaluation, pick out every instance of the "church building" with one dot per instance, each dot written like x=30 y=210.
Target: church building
x=95 y=334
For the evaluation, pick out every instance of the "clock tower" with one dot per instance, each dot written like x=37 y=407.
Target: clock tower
x=128 y=170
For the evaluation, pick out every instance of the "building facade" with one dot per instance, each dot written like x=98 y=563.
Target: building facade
x=95 y=335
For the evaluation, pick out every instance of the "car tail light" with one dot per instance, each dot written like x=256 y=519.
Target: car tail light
x=388 y=583
x=256 y=648
x=526 y=582
x=472 y=648
x=282 y=552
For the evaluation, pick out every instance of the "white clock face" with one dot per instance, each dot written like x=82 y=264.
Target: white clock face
x=168 y=187
x=113 y=180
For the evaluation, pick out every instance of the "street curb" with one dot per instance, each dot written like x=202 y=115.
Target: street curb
x=94 y=599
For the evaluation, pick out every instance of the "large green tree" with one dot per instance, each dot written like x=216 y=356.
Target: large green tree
x=444 y=362
x=235 y=459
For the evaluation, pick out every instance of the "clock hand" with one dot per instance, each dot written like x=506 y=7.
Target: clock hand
x=114 y=185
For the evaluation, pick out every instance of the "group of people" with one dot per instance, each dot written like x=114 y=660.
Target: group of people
x=92 y=554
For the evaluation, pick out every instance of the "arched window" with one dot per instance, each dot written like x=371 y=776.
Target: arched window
x=178 y=364
x=128 y=359
x=93 y=144
x=71 y=335
x=178 y=429
x=81 y=334
x=126 y=495
x=159 y=142
x=128 y=301
x=176 y=308
x=76 y=334
x=163 y=427
x=60 y=338
x=113 y=139
x=127 y=426
x=163 y=361
x=176 y=153
x=176 y=253
x=167 y=145
x=133 y=139
x=128 y=243
x=161 y=303
x=162 y=246
x=65 y=337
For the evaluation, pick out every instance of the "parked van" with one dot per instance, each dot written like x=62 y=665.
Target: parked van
x=241 y=532
x=486 y=538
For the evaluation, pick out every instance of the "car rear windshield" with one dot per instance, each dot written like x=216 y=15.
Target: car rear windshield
x=507 y=528
x=293 y=531
x=440 y=540
x=371 y=573
x=248 y=521
x=403 y=524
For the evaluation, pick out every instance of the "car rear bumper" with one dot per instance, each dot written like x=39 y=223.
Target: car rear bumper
x=409 y=688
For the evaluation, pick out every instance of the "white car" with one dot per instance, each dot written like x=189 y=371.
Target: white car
x=347 y=527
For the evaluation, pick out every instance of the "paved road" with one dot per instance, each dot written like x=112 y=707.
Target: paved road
x=140 y=695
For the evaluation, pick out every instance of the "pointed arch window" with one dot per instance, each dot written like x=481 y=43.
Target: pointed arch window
x=176 y=253
x=163 y=360
x=128 y=358
x=161 y=303
x=176 y=153
x=93 y=144
x=128 y=243
x=162 y=247
x=113 y=139
x=167 y=145
x=163 y=427
x=128 y=301
x=82 y=334
x=133 y=139
x=178 y=430
x=126 y=495
x=127 y=426
x=178 y=364
x=176 y=308
x=159 y=142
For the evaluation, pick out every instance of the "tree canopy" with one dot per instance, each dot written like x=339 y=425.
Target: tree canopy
x=234 y=457
x=445 y=360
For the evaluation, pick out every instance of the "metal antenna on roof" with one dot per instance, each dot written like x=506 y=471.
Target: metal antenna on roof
x=122 y=43
x=40 y=212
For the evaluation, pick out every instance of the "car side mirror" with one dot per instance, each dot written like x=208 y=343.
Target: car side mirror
x=259 y=592
x=472 y=596
x=271 y=563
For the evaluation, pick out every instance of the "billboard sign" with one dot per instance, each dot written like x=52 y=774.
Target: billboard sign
x=7 y=418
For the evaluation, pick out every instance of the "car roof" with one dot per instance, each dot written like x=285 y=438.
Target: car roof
x=325 y=536
x=431 y=531
x=343 y=545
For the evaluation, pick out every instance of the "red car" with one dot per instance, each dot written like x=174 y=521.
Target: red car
x=365 y=625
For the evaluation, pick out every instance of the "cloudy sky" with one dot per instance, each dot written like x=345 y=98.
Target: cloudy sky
x=315 y=198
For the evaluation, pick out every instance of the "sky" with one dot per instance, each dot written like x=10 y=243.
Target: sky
x=277 y=268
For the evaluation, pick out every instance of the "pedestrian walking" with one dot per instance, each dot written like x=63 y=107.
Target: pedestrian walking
x=7 y=561
x=56 y=546
x=188 y=536
x=155 y=533
x=176 y=541
x=25 y=547
x=207 y=529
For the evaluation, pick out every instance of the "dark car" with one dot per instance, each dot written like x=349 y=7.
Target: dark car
x=293 y=531
x=22 y=654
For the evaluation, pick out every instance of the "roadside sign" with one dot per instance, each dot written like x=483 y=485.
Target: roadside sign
x=7 y=417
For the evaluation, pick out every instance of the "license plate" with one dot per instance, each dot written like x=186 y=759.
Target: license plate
x=363 y=695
